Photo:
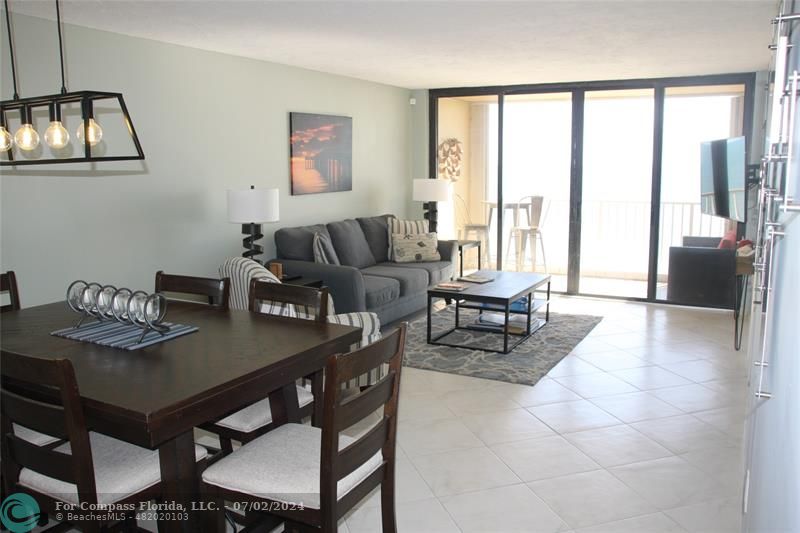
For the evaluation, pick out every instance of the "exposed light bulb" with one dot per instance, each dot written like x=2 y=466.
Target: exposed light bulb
x=6 y=140
x=95 y=132
x=56 y=136
x=26 y=138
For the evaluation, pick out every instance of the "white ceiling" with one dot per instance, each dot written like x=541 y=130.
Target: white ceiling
x=421 y=44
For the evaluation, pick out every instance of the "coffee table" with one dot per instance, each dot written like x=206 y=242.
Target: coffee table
x=496 y=296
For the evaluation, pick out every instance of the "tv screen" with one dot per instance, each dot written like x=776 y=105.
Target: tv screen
x=722 y=178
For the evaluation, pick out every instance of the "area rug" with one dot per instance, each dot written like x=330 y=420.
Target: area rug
x=526 y=364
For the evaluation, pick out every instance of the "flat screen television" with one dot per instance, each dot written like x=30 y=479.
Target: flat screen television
x=722 y=178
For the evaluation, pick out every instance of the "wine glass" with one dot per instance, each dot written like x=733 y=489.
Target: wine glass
x=136 y=305
x=119 y=305
x=155 y=308
x=89 y=298
x=105 y=301
x=74 y=292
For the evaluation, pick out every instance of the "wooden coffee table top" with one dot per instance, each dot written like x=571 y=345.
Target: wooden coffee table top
x=506 y=287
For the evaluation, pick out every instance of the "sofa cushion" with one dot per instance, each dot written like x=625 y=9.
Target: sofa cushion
x=296 y=243
x=380 y=291
x=412 y=280
x=350 y=244
x=376 y=230
x=438 y=271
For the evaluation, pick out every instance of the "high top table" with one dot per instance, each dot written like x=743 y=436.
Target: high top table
x=155 y=396
x=495 y=296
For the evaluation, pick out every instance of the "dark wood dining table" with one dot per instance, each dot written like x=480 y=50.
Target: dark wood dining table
x=155 y=396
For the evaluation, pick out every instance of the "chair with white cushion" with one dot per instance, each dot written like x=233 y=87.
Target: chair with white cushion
x=81 y=467
x=258 y=417
x=254 y=420
x=310 y=477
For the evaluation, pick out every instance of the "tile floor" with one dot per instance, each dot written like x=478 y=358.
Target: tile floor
x=639 y=429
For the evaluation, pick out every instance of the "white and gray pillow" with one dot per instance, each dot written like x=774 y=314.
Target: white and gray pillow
x=405 y=227
x=324 y=251
x=415 y=247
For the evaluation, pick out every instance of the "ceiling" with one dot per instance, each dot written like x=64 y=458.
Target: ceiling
x=422 y=44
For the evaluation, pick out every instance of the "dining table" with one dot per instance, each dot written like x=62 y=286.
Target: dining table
x=155 y=396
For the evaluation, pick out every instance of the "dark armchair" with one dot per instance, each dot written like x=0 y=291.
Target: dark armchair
x=702 y=274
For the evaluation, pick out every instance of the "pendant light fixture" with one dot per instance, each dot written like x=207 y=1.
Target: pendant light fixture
x=89 y=133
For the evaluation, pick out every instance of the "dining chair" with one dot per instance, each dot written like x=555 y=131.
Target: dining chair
x=216 y=290
x=8 y=283
x=311 y=477
x=251 y=422
x=522 y=236
x=81 y=468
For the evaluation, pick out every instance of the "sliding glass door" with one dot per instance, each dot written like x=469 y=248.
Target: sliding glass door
x=537 y=141
x=692 y=116
x=593 y=183
x=616 y=190
x=466 y=151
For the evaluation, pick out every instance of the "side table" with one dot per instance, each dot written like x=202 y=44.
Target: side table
x=466 y=245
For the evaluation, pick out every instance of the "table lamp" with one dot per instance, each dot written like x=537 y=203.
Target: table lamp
x=431 y=191
x=250 y=207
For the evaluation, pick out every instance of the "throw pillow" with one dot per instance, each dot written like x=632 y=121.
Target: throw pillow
x=404 y=227
x=415 y=247
x=323 y=250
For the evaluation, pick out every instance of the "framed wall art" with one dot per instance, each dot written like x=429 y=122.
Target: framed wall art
x=321 y=153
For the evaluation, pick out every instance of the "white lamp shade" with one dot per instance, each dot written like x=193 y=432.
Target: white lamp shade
x=253 y=205
x=426 y=190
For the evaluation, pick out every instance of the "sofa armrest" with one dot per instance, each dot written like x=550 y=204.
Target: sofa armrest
x=447 y=249
x=345 y=283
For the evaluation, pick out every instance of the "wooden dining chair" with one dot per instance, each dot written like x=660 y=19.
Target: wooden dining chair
x=255 y=420
x=310 y=477
x=8 y=283
x=216 y=290
x=82 y=467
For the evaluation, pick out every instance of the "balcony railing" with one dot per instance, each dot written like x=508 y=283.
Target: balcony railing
x=615 y=237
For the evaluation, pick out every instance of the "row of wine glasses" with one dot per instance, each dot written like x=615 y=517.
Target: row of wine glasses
x=106 y=302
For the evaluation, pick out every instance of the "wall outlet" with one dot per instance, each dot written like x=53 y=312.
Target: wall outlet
x=412 y=101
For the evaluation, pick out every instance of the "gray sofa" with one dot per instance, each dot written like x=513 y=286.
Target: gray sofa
x=366 y=280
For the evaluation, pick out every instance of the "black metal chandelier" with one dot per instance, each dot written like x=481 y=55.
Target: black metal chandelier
x=89 y=133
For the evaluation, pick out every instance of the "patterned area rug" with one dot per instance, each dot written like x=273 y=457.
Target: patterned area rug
x=526 y=364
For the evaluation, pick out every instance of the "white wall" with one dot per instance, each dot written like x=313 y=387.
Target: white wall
x=207 y=122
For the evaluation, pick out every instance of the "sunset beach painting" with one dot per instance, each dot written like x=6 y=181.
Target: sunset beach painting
x=321 y=153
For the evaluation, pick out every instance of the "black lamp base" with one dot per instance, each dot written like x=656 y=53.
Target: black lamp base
x=253 y=232
x=431 y=214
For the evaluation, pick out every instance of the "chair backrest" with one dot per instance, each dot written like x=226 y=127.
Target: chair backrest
x=216 y=290
x=533 y=204
x=42 y=394
x=314 y=300
x=8 y=283
x=342 y=412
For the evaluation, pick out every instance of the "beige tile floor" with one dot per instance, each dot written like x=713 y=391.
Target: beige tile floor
x=639 y=429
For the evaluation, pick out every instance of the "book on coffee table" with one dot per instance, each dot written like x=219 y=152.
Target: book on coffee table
x=476 y=278
x=450 y=286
